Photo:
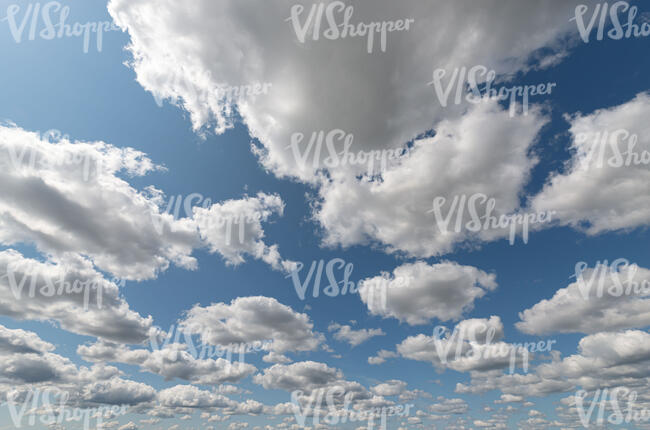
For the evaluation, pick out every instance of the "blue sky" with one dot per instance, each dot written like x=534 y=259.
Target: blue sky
x=105 y=96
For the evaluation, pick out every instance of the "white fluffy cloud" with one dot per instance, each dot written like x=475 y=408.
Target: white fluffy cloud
x=602 y=298
x=27 y=362
x=63 y=196
x=304 y=375
x=389 y=388
x=599 y=190
x=383 y=102
x=48 y=199
x=346 y=333
x=233 y=228
x=189 y=396
x=608 y=359
x=118 y=392
x=249 y=319
x=473 y=345
x=70 y=292
x=484 y=152
x=172 y=361
x=418 y=292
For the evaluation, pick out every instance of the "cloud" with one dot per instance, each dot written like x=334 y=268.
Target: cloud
x=189 y=396
x=249 y=319
x=21 y=341
x=27 y=363
x=345 y=333
x=381 y=357
x=389 y=388
x=118 y=392
x=449 y=406
x=598 y=190
x=70 y=292
x=63 y=196
x=174 y=362
x=485 y=152
x=604 y=360
x=304 y=375
x=418 y=292
x=234 y=227
x=171 y=361
x=473 y=345
x=384 y=102
x=48 y=200
x=603 y=298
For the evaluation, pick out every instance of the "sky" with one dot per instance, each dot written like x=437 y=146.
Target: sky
x=193 y=234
